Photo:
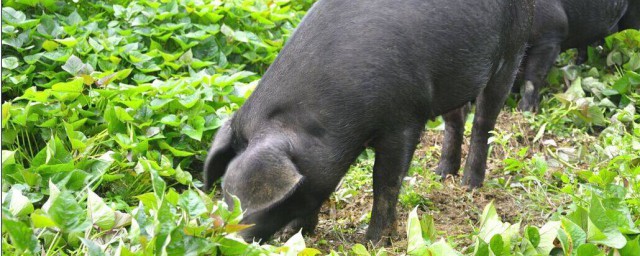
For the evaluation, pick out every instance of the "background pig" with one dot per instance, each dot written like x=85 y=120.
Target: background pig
x=558 y=25
x=364 y=73
x=564 y=24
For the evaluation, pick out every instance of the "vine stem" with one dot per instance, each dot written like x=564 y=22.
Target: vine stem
x=555 y=156
x=55 y=241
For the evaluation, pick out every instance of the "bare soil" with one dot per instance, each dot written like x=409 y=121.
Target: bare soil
x=456 y=211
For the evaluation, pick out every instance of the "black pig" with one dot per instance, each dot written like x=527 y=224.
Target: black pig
x=564 y=24
x=364 y=73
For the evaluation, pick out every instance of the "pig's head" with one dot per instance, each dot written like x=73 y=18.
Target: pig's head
x=262 y=176
x=265 y=179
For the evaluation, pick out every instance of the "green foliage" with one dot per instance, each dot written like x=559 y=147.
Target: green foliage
x=605 y=89
x=421 y=237
x=191 y=221
x=581 y=232
x=109 y=107
x=140 y=41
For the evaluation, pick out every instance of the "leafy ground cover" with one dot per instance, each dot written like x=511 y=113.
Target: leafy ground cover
x=109 y=108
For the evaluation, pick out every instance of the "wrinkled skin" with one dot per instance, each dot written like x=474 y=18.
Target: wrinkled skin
x=558 y=25
x=356 y=74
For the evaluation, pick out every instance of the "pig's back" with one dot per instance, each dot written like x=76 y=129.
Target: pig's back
x=381 y=62
x=591 y=20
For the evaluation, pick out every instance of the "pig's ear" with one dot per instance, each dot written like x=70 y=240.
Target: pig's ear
x=262 y=178
x=220 y=154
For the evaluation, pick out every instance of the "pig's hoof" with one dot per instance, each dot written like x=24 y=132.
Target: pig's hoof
x=291 y=231
x=525 y=106
x=307 y=225
x=472 y=183
x=380 y=238
x=444 y=170
x=470 y=188
x=383 y=241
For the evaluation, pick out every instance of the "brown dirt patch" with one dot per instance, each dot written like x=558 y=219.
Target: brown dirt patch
x=456 y=214
x=456 y=211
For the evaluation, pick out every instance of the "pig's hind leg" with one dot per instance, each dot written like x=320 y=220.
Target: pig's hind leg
x=488 y=106
x=393 y=153
x=541 y=57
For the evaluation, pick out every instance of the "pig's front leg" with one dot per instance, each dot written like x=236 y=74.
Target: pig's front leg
x=393 y=157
